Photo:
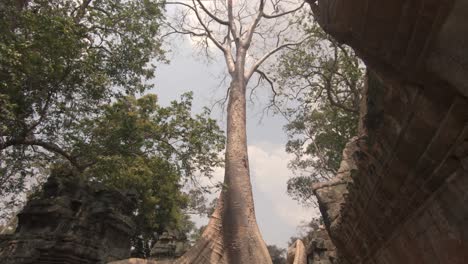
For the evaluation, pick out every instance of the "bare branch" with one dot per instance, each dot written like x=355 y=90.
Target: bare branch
x=202 y=23
x=215 y=18
x=182 y=32
x=267 y=55
x=272 y=16
x=273 y=104
x=248 y=39
x=232 y=24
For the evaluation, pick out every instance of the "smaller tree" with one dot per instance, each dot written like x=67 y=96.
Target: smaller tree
x=138 y=145
x=324 y=80
x=306 y=231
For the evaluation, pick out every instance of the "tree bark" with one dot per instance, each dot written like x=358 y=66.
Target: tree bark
x=242 y=238
x=232 y=235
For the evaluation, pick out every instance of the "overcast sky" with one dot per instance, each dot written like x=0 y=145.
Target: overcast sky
x=277 y=214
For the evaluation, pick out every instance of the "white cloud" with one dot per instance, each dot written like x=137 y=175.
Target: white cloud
x=277 y=214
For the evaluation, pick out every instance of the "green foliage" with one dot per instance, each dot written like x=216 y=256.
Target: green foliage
x=133 y=127
x=138 y=145
x=71 y=72
x=196 y=234
x=60 y=60
x=317 y=138
x=306 y=231
x=324 y=80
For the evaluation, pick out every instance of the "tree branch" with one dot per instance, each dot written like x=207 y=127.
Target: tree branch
x=207 y=30
x=82 y=11
x=264 y=76
x=267 y=55
x=248 y=39
x=232 y=24
x=215 y=18
x=272 y=16
x=46 y=145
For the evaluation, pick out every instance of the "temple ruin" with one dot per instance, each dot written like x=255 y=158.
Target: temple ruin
x=71 y=222
x=401 y=193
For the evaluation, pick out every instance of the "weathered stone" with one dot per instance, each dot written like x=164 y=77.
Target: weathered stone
x=137 y=261
x=321 y=249
x=71 y=222
x=406 y=201
x=169 y=246
x=390 y=188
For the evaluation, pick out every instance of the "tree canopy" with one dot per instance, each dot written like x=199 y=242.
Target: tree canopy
x=138 y=145
x=61 y=60
x=74 y=95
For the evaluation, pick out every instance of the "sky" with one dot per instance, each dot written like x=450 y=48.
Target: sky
x=278 y=216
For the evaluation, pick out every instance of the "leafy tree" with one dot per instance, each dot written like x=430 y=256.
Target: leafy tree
x=196 y=234
x=324 y=79
x=70 y=74
x=306 y=231
x=138 y=145
x=60 y=60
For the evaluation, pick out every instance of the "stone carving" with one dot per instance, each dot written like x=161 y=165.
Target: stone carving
x=71 y=222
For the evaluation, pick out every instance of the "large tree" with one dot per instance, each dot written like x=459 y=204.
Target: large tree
x=60 y=60
x=247 y=34
x=71 y=72
x=137 y=145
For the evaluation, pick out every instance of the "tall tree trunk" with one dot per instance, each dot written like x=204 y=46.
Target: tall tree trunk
x=232 y=236
x=242 y=238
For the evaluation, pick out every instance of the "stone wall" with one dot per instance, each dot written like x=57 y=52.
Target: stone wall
x=321 y=249
x=71 y=222
x=401 y=195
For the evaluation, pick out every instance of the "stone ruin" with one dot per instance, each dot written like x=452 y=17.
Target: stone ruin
x=320 y=249
x=170 y=245
x=401 y=194
x=71 y=222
